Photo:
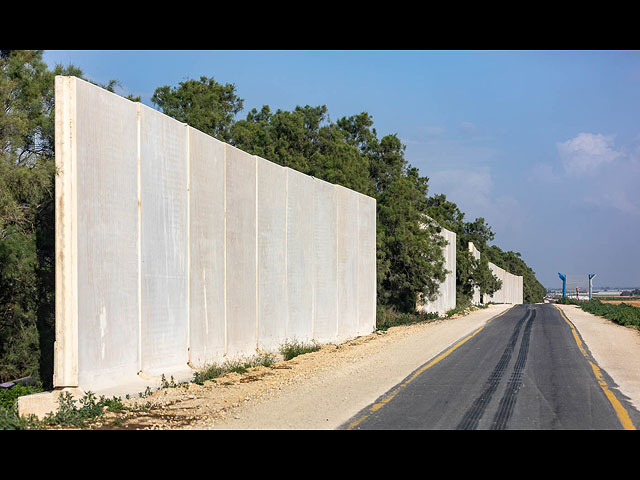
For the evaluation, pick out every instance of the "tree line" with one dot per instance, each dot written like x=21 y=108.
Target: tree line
x=348 y=152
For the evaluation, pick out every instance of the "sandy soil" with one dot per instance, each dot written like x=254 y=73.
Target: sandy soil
x=324 y=389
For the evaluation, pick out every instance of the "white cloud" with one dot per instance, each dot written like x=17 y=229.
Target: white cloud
x=433 y=130
x=609 y=175
x=542 y=172
x=473 y=192
x=463 y=186
x=467 y=128
x=619 y=200
x=587 y=152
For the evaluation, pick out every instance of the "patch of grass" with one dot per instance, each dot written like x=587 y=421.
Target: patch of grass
x=9 y=396
x=10 y=420
x=215 y=370
x=292 y=349
x=72 y=413
x=387 y=317
x=9 y=417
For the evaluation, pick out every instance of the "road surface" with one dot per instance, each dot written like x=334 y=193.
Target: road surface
x=527 y=368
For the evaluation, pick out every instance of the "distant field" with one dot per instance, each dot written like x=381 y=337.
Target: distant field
x=635 y=302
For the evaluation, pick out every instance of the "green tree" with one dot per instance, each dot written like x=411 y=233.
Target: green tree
x=409 y=254
x=203 y=104
x=27 y=171
x=27 y=213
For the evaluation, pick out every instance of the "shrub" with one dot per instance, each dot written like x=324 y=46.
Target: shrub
x=387 y=317
x=622 y=314
x=292 y=349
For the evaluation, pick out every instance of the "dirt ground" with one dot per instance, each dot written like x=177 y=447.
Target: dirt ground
x=319 y=390
x=324 y=389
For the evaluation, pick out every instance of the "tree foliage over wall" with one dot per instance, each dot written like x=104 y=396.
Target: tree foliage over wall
x=348 y=152
x=27 y=221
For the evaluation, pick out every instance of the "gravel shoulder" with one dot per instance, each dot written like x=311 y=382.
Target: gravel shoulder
x=319 y=390
x=324 y=389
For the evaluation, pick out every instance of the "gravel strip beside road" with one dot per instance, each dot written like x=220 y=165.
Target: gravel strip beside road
x=338 y=383
x=324 y=389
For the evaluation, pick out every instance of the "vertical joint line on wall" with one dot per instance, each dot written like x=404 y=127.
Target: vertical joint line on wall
x=337 y=213
x=138 y=121
x=188 y=153
x=256 y=253
x=286 y=248
x=224 y=195
x=358 y=331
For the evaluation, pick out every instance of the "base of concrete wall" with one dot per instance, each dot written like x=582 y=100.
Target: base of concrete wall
x=43 y=403
x=40 y=404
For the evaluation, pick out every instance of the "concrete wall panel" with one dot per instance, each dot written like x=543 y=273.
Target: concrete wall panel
x=366 y=264
x=164 y=236
x=325 y=299
x=347 y=263
x=300 y=255
x=241 y=269
x=206 y=271
x=107 y=235
x=511 y=290
x=272 y=255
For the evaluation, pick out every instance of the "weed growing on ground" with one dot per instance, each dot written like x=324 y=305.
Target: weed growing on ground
x=387 y=317
x=215 y=370
x=292 y=349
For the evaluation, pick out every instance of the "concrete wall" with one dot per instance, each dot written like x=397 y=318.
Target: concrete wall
x=511 y=291
x=446 y=299
x=174 y=249
x=476 y=298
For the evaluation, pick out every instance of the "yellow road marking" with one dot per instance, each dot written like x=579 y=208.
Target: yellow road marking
x=622 y=414
x=378 y=405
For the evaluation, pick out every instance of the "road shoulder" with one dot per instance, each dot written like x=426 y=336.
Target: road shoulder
x=616 y=349
x=355 y=377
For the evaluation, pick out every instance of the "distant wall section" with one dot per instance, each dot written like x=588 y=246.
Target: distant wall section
x=476 y=298
x=511 y=290
x=446 y=299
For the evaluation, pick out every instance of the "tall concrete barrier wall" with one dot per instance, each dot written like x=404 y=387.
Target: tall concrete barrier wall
x=476 y=298
x=511 y=290
x=446 y=299
x=174 y=250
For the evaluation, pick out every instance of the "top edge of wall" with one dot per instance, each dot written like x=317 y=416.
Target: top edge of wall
x=496 y=266
x=201 y=132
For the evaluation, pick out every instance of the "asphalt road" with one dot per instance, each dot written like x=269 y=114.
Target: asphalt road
x=527 y=368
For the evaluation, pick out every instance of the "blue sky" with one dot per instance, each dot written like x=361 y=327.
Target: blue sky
x=545 y=145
